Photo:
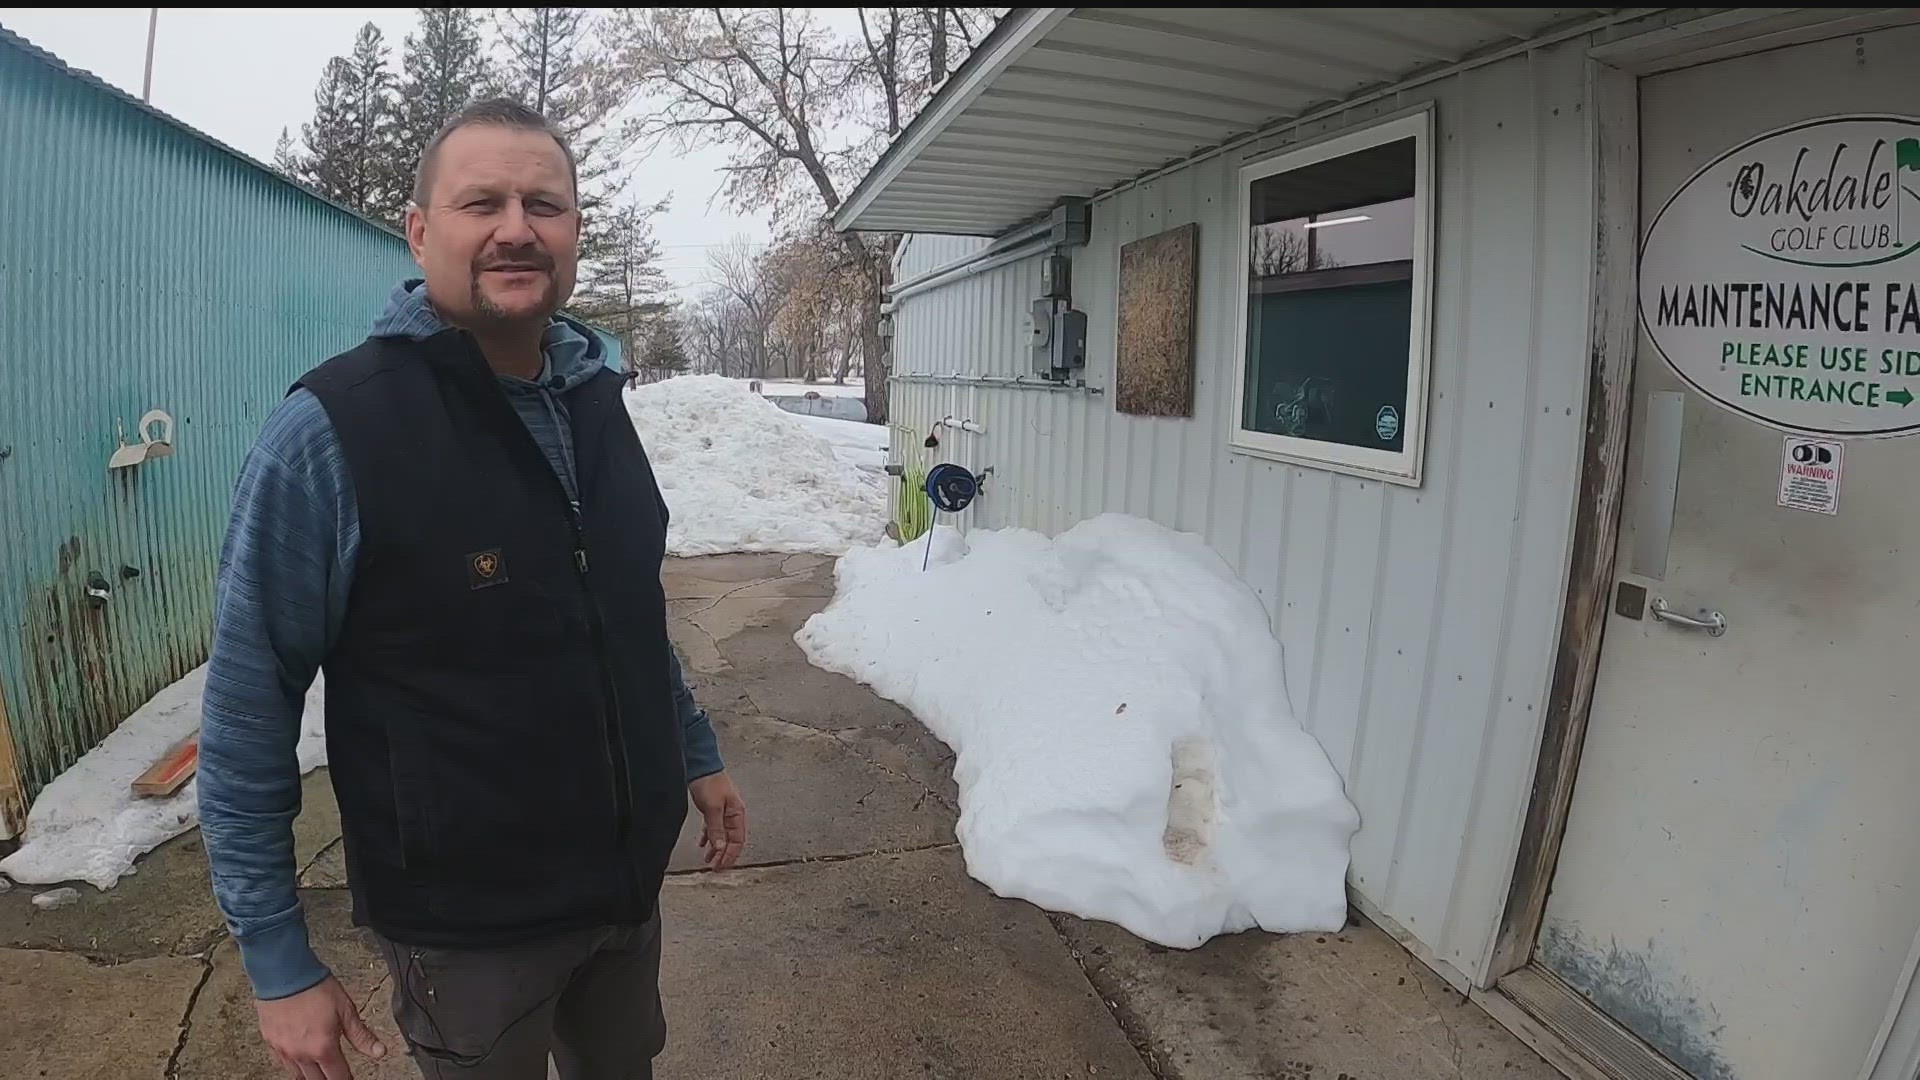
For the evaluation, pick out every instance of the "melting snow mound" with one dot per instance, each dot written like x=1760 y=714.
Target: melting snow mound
x=739 y=474
x=87 y=825
x=1118 y=711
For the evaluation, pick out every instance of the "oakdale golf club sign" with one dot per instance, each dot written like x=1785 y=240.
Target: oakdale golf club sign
x=1778 y=280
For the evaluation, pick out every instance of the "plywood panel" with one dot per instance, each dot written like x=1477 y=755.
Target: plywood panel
x=1156 y=323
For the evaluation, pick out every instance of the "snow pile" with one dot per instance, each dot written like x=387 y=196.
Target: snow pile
x=1116 y=702
x=741 y=475
x=863 y=446
x=88 y=826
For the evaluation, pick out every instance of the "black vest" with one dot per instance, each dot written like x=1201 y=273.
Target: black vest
x=500 y=726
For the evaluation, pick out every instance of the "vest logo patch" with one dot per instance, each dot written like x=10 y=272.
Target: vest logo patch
x=486 y=568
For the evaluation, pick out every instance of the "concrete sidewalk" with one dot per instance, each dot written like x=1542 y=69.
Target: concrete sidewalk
x=852 y=946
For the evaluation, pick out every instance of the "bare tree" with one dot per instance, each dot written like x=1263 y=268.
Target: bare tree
x=803 y=112
x=717 y=330
x=736 y=270
x=1273 y=249
x=944 y=26
x=1282 y=247
x=904 y=55
x=816 y=300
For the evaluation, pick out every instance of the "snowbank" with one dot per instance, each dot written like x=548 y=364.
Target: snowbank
x=1117 y=706
x=741 y=475
x=88 y=826
x=861 y=445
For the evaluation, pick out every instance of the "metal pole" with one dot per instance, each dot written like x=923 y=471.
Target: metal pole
x=146 y=85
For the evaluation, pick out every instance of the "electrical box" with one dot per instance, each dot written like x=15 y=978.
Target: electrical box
x=1072 y=222
x=1059 y=340
x=1070 y=340
x=1056 y=277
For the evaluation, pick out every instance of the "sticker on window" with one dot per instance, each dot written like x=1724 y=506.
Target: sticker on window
x=1386 y=423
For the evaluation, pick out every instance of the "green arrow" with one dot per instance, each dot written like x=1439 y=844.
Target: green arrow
x=1903 y=395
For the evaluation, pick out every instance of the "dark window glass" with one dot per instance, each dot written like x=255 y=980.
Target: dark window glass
x=1330 y=299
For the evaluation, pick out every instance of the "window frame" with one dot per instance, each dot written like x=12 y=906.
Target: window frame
x=1403 y=466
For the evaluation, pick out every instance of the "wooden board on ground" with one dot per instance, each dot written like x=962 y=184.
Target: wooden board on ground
x=174 y=769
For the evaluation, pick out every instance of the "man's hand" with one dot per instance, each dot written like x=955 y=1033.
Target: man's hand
x=725 y=831
x=304 y=1032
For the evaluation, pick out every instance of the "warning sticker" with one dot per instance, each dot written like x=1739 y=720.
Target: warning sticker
x=1810 y=474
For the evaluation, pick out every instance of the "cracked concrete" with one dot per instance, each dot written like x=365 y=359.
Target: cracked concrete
x=847 y=805
x=69 y=1017
x=852 y=884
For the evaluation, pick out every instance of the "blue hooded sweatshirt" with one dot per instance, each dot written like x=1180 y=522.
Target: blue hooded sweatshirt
x=286 y=570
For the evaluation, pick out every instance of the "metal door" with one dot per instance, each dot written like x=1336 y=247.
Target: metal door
x=1740 y=878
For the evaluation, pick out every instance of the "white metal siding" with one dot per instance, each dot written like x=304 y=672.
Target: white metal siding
x=1417 y=625
x=926 y=251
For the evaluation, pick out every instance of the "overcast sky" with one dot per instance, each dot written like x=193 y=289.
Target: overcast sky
x=242 y=74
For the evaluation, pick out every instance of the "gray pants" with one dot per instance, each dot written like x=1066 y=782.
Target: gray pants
x=591 y=998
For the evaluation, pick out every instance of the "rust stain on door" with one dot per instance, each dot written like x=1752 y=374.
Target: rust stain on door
x=91 y=662
x=13 y=790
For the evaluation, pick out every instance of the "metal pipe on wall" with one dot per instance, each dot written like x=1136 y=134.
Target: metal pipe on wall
x=965 y=269
x=963 y=425
x=1009 y=382
x=1016 y=238
x=1067 y=225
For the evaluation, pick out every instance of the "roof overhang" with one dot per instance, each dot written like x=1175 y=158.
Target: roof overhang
x=1059 y=102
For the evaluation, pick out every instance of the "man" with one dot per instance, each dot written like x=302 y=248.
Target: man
x=457 y=522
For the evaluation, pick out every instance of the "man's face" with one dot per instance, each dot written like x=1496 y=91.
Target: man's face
x=499 y=238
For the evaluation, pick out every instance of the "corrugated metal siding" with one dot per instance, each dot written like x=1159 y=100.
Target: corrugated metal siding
x=140 y=268
x=925 y=252
x=1417 y=625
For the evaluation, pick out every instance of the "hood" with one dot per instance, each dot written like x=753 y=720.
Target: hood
x=574 y=352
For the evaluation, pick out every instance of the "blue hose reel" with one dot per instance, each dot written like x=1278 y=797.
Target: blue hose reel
x=951 y=487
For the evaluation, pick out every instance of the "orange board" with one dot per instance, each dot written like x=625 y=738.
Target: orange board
x=175 y=767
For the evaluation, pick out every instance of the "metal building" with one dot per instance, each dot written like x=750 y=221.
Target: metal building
x=1416 y=399
x=146 y=271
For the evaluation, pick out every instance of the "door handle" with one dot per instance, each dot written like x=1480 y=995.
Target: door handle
x=1714 y=623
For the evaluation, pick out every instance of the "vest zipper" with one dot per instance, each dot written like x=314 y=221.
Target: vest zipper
x=616 y=740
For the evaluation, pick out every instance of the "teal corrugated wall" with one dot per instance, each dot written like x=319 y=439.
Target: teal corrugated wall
x=141 y=267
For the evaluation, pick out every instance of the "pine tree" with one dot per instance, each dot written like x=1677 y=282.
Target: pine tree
x=286 y=156
x=662 y=350
x=623 y=287
x=331 y=163
x=547 y=60
x=443 y=70
x=351 y=139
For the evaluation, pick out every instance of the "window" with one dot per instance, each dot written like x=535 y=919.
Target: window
x=1338 y=251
